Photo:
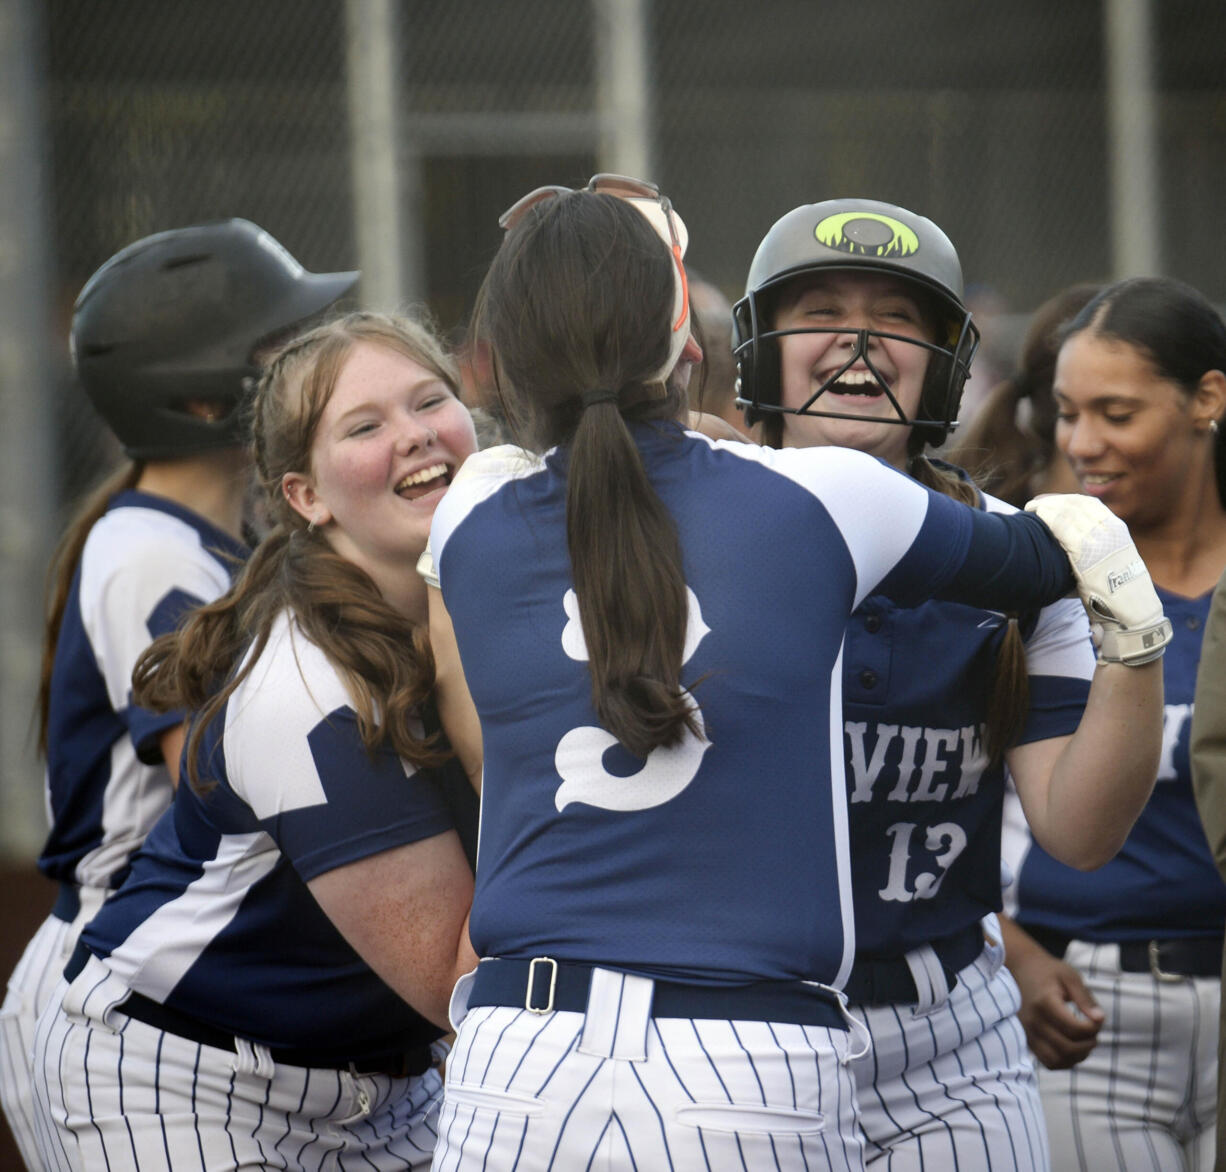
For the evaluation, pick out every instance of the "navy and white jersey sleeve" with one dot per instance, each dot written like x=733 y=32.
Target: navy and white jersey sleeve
x=585 y=853
x=1060 y=661
x=295 y=758
x=216 y=919
x=144 y=564
x=911 y=543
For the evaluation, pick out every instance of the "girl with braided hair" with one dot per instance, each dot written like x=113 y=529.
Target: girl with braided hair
x=268 y=983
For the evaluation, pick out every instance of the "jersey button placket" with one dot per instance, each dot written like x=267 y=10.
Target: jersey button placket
x=868 y=656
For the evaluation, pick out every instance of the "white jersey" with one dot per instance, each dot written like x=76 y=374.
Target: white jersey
x=145 y=563
x=216 y=920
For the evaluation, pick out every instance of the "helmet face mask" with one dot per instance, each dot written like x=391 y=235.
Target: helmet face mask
x=857 y=237
x=165 y=334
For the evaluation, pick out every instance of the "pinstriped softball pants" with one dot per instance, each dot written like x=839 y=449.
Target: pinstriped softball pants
x=30 y=989
x=617 y=1089
x=114 y=1093
x=951 y=1085
x=1145 y=1099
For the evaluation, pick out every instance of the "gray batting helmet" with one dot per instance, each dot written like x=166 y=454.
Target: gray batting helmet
x=178 y=316
x=856 y=235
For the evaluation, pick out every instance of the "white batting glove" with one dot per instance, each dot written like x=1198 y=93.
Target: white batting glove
x=1126 y=616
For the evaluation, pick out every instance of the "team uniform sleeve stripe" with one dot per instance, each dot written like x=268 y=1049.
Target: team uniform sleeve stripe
x=878 y=511
x=1057 y=704
x=355 y=822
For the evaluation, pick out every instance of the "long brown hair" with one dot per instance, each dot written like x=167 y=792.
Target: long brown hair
x=63 y=568
x=578 y=302
x=383 y=658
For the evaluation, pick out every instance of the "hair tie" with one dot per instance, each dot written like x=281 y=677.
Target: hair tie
x=598 y=395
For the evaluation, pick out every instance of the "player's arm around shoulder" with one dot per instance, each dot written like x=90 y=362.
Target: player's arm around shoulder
x=370 y=836
x=1208 y=738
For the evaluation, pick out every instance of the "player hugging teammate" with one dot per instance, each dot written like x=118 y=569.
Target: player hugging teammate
x=696 y=849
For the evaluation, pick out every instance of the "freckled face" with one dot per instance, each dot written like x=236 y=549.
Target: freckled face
x=854 y=301
x=1129 y=434
x=387 y=446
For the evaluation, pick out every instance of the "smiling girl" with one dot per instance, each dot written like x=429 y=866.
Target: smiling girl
x=853 y=332
x=266 y=986
x=1140 y=386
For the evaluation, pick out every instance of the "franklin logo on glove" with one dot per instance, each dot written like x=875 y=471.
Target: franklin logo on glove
x=1122 y=577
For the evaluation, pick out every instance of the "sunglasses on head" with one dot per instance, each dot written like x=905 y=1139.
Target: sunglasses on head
x=624 y=187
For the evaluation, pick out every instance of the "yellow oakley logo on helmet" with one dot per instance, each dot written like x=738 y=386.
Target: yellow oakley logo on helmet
x=866 y=234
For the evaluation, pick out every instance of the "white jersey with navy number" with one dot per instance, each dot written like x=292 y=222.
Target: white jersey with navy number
x=216 y=920
x=1163 y=882
x=924 y=799
x=145 y=562
x=723 y=859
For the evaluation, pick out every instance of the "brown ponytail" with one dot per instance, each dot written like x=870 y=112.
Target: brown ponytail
x=626 y=562
x=578 y=302
x=1005 y=453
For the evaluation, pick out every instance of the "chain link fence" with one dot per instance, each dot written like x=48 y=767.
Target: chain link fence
x=990 y=119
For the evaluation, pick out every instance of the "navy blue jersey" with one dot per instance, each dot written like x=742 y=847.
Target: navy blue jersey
x=145 y=562
x=924 y=800
x=1163 y=882
x=216 y=919
x=689 y=864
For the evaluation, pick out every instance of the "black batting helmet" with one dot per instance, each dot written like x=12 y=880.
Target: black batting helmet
x=856 y=235
x=177 y=317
